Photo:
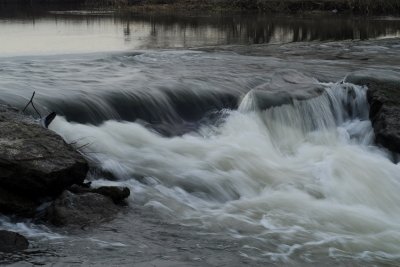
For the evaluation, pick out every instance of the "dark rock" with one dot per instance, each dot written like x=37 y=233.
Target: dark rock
x=35 y=163
x=11 y=242
x=81 y=209
x=18 y=205
x=78 y=189
x=284 y=88
x=385 y=116
x=384 y=99
x=116 y=193
x=48 y=119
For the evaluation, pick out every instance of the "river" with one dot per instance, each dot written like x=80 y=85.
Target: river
x=238 y=139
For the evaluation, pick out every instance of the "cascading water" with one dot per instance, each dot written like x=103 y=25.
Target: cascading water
x=297 y=180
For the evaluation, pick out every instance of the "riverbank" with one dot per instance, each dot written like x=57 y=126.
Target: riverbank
x=359 y=7
x=271 y=6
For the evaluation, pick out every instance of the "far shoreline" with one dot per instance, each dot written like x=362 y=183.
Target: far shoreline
x=275 y=7
x=287 y=7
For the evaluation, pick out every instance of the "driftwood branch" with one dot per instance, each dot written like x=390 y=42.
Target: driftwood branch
x=83 y=146
x=31 y=102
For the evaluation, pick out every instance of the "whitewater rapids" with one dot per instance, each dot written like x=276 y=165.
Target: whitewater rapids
x=299 y=180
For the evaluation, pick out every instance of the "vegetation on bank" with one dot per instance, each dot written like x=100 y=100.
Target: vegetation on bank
x=281 y=6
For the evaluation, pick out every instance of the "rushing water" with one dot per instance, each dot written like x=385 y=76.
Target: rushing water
x=232 y=159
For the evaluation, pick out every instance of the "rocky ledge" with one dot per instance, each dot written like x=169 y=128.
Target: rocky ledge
x=384 y=99
x=39 y=169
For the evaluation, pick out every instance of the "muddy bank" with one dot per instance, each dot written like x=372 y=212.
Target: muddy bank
x=381 y=7
x=272 y=6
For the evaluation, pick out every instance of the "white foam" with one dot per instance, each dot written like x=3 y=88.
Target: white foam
x=305 y=177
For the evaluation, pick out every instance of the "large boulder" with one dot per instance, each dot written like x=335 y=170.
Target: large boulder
x=11 y=242
x=35 y=163
x=384 y=99
x=81 y=209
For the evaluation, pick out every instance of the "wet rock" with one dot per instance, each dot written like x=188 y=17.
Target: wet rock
x=78 y=189
x=81 y=209
x=117 y=193
x=17 y=205
x=384 y=99
x=11 y=242
x=35 y=163
x=385 y=114
x=285 y=87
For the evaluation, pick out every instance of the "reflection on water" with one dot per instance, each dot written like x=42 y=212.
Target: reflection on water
x=78 y=31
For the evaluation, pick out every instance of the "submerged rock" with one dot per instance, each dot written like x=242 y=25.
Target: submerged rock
x=384 y=99
x=81 y=209
x=116 y=193
x=35 y=163
x=81 y=206
x=11 y=242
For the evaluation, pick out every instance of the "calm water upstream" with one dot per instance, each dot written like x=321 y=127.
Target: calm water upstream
x=239 y=142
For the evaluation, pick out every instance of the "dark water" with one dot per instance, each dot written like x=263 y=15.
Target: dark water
x=186 y=110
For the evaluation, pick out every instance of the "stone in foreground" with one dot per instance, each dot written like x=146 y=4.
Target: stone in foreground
x=81 y=209
x=12 y=242
x=35 y=163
